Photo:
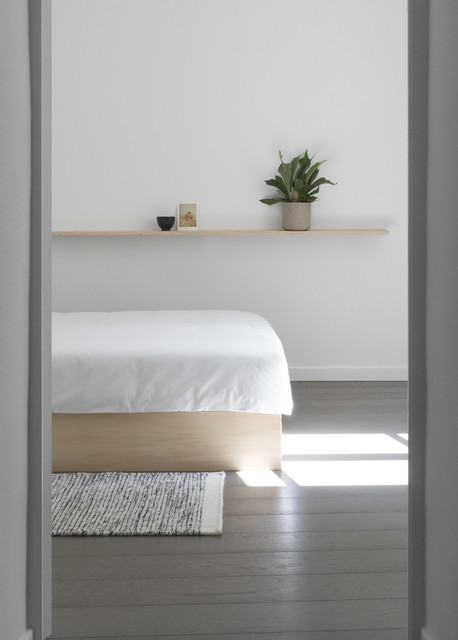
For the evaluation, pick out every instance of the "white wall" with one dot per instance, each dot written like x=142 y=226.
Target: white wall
x=14 y=318
x=156 y=103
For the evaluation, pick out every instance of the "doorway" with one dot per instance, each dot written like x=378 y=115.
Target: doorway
x=98 y=255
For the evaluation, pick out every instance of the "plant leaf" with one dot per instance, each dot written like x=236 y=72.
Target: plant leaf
x=311 y=179
x=304 y=164
x=305 y=159
x=313 y=172
x=294 y=167
x=285 y=171
x=319 y=182
x=278 y=183
x=272 y=200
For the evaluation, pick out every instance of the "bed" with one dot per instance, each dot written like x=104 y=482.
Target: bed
x=167 y=391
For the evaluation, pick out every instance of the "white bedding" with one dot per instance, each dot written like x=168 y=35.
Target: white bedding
x=141 y=361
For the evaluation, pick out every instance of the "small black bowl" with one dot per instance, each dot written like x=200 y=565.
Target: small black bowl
x=165 y=223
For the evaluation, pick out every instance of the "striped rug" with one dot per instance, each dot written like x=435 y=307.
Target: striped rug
x=137 y=504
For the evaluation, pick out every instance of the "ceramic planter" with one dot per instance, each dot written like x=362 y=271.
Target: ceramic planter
x=296 y=216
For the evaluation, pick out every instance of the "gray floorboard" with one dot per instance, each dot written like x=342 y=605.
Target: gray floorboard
x=230 y=589
x=230 y=564
x=284 y=523
x=231 y=618
x=230 y=543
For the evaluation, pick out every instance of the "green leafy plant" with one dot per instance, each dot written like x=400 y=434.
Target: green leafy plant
x=297 y=180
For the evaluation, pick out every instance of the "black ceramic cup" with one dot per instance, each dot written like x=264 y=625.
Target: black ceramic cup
x=165 y=223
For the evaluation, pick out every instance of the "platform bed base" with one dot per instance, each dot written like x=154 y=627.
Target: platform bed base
x=177 y=441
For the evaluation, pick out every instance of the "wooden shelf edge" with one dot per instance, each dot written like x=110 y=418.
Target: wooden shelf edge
x=239 y=232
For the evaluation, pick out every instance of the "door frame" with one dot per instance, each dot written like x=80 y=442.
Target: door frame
x=39 y=542
x=39 y=577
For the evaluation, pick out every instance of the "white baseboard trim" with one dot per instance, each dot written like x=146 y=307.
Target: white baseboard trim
x=425 y=635
x=27 y=635
x=332 y=374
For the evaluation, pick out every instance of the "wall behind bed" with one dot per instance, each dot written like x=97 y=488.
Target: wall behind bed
x=157 y=102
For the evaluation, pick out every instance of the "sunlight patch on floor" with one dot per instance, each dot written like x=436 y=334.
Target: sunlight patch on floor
x=341 y=443
x=307 y=459
x=337 y=459
x=313 y=473
x=260 y=478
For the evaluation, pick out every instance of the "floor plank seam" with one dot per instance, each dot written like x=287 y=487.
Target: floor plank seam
x=227 y=604
x=232 y=575
x=62 y=581
x=401 y=546
x=221 y=553
x=256 y=634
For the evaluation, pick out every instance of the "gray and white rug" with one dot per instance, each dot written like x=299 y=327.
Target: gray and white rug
x=137 y=504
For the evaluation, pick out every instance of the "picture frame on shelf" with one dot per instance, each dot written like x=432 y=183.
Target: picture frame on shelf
x=187 y=217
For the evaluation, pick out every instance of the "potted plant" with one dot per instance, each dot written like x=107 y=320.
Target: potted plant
x=297 y=185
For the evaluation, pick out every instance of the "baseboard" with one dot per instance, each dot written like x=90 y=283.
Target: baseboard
x=425 y=635
x=27 y=635
x=332 y=374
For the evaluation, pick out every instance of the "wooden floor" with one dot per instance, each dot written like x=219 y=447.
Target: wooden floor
x=294 y=562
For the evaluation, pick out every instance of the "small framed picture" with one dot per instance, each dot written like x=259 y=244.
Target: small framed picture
x=187 y=217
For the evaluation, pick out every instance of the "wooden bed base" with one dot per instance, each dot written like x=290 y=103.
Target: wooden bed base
x=177 y=441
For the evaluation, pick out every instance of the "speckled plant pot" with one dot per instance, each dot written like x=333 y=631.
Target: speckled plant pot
x=296 y=216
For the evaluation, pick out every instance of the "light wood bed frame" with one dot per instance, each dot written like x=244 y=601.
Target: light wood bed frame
x=176 y=441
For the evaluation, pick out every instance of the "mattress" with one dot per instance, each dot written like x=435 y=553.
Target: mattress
x=148 y=361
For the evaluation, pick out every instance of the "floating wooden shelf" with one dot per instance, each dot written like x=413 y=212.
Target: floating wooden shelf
x=231 y=232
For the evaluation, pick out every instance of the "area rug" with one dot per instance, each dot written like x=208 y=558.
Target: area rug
x=137 y=504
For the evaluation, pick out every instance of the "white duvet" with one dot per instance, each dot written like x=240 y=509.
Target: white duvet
x=139 y=361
